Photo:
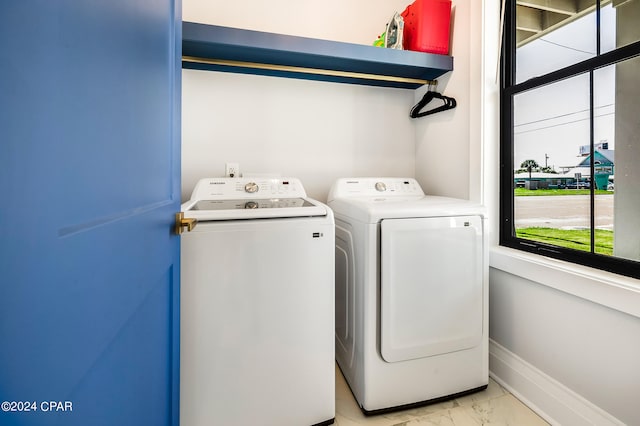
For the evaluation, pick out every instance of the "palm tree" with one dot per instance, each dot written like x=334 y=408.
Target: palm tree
x=529 y=165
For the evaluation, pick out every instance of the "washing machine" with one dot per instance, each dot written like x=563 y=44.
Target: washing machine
x=257 y=305
x=411 y=293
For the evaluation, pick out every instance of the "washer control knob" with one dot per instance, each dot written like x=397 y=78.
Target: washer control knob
x=380 y=186
x=250 y=205
x=251 y=187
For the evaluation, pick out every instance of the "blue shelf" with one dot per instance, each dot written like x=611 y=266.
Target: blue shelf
x=215 y=48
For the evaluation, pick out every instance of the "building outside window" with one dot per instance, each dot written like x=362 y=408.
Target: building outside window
x=570 y=131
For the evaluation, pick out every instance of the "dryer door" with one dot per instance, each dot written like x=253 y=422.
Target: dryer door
x=431 y=286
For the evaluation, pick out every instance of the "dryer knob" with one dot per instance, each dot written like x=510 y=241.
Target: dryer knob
x=251 y=187
x=380 y=186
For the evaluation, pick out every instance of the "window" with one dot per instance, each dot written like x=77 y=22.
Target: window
x=570 y=131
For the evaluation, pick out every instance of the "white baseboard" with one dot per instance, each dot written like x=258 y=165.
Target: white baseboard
x=549 y=398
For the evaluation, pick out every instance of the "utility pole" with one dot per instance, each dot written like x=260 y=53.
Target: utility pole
x=546 y=157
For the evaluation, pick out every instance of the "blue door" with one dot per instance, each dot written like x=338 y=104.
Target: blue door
x=89 y=183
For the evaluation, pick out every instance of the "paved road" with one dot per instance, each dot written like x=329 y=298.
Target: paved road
x=563 y=211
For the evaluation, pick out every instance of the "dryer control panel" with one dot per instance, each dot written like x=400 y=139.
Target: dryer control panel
x=371 y=187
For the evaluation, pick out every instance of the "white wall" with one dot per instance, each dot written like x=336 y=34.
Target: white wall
x=355 y=21
x=589 y=348
x=443 y=140
x=315 y=131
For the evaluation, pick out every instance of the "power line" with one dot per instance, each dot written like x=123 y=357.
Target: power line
x=560 y=116
x=568 y=47
x=562 y=124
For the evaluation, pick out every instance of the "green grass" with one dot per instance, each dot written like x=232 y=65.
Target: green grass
x=522 y=192
x=577 y=239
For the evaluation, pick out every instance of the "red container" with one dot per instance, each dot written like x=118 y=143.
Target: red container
x=426 y=26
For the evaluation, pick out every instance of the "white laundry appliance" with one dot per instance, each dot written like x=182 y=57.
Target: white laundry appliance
x=411 y=293
x=257 y=306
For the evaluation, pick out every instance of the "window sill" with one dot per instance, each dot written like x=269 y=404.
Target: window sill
x=604 y=288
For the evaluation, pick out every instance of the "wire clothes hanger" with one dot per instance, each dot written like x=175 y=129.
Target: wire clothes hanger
x=449 y=103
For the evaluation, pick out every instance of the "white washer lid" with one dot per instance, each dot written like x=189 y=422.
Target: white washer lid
x=250 y=198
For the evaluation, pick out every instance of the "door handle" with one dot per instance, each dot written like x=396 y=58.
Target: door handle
x=183 y=222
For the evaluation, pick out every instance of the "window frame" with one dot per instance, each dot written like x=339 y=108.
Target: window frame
x=508 y=90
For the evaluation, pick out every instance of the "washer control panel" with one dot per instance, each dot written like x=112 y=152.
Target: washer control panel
x=248 y=188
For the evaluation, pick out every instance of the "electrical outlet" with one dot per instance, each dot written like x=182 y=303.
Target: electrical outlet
x=232 y=170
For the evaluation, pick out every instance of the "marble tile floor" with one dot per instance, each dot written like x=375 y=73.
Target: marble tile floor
x=491 y=407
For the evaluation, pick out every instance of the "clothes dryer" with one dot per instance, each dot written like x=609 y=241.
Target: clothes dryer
x=257 y=306
x=411 y=293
